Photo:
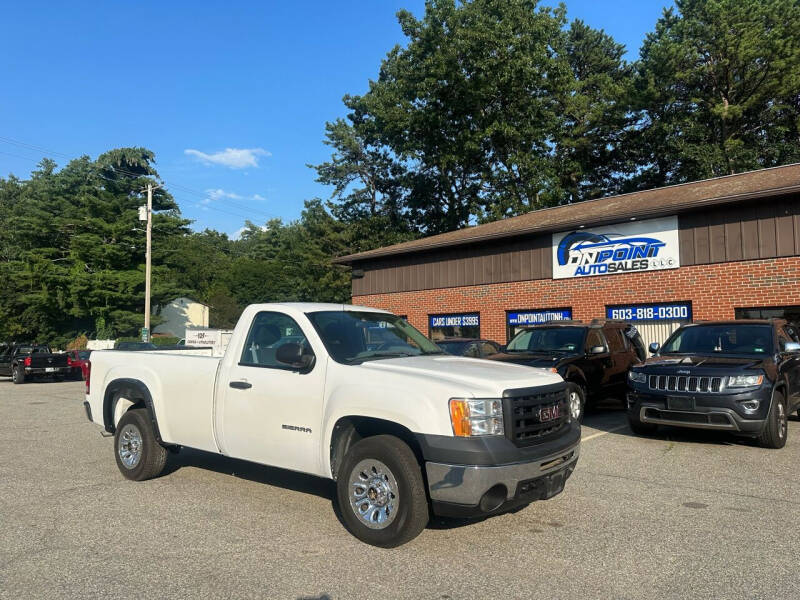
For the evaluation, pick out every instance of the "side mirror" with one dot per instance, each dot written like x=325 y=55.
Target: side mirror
x=792 y=347
x=654 y=347
x=597 y=350
x=292 y=354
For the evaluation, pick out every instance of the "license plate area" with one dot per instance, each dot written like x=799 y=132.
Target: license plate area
x=680 y=403
x=50 y=370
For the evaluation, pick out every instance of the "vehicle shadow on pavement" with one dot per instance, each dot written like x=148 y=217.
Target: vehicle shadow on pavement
x=242 y=469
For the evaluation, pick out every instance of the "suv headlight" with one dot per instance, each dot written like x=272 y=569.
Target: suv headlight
x=476 y=416
x=637 y=376
x=745 y=380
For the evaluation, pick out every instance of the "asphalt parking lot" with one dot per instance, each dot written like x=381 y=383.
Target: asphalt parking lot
x=686 y=514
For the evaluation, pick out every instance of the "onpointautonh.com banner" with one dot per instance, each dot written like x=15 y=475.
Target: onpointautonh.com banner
x=649 y=245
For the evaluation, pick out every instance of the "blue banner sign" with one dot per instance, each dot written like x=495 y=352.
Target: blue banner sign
x=470 y=320
x=532 y=317
x=668 y=311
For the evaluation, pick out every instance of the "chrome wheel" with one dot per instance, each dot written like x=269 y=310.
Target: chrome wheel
x=130 y=446
x=575 y=405
x=373 y=494
x=782 y=421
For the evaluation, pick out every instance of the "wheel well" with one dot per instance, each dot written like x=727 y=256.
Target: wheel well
x=349 y=430
x=134 y=392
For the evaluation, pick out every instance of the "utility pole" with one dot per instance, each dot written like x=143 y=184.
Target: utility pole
x=146 y=331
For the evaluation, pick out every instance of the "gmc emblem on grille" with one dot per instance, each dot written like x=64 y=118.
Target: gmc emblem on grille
x=548 y=413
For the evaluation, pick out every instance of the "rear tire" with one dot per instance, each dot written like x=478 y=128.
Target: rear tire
x=775 y=429
x=139 y=456
x=381 y=493
x=638 y=427
x=576 y=401
x=18 y=375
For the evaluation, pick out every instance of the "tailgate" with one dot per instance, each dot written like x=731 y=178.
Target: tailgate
x=42 y=361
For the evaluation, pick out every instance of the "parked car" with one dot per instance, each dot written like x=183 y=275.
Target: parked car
x=740 y=376
x=469 y=347
x=23 y=362
x=593 y=358
x=77 y=360
x=400 y=428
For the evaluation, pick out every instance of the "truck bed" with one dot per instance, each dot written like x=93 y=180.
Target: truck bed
x=185 y=411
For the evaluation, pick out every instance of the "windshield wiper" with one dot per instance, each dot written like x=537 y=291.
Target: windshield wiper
x=429 y=352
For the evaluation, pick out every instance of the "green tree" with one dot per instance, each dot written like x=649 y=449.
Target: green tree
x=718 y=89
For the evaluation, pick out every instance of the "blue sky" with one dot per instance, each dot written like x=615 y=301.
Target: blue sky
x=232 y=97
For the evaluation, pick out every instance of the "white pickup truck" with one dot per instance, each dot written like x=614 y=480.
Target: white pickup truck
x=353 y=394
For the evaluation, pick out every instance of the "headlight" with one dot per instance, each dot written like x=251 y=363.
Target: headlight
x=637 y=376
x=745 y=380
x=476 y=417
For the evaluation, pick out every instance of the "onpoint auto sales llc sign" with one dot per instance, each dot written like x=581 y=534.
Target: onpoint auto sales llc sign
x=649 y=245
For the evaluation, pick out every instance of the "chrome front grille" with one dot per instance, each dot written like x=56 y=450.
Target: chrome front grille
x=683 y=383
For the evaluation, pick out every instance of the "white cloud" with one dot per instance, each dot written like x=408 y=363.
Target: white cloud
x=220 y=194
x=233 y=158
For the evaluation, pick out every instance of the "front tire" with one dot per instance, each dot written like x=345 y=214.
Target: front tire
x=139 y=456
x=18 y=375
x=381 y=492
x=576 y=401
x=777 y=426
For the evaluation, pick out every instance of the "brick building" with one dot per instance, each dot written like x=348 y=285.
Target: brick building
x=715 y=249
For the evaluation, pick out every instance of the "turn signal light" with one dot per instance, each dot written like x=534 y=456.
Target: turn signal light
x=27 y=361
x=88 y=372
x=476 y=416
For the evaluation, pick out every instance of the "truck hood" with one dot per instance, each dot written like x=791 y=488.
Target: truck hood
x=670 y=362
x=542 y=360
x=481 y=375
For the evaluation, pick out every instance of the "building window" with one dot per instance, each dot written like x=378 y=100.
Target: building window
x=790 y=313
x=517 y=320
x=466 y=325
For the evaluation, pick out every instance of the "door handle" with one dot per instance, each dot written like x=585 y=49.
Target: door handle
x=240 y=385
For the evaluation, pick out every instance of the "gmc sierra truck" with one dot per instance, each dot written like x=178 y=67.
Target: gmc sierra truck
x=402 y=428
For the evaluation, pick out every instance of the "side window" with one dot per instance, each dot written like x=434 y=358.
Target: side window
x=488 y=348
x=615 y=341
x=783 y=338
x=268 y=332
x=594 y=338
x=473 y=351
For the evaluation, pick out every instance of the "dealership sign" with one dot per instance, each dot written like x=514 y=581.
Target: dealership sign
x=649 y=245
x=470 y=320
x=532 y=317
x=667 y=311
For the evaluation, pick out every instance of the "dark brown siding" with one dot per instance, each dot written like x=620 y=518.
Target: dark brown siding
x=756 y=230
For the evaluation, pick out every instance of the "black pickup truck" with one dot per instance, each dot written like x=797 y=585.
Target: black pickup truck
x=740 y=376
x=593 y=358
x=25 y=361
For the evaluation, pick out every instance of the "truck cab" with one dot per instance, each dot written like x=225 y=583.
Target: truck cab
x=403 y=428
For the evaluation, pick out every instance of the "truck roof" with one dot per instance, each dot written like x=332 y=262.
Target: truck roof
x=308 y=307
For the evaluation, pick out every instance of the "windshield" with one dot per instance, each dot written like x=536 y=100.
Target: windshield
x=720 y=339
x=548 y=339
x=352 y=337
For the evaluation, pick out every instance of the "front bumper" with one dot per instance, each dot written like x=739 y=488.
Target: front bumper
x=476 y=490
x=702 y=411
